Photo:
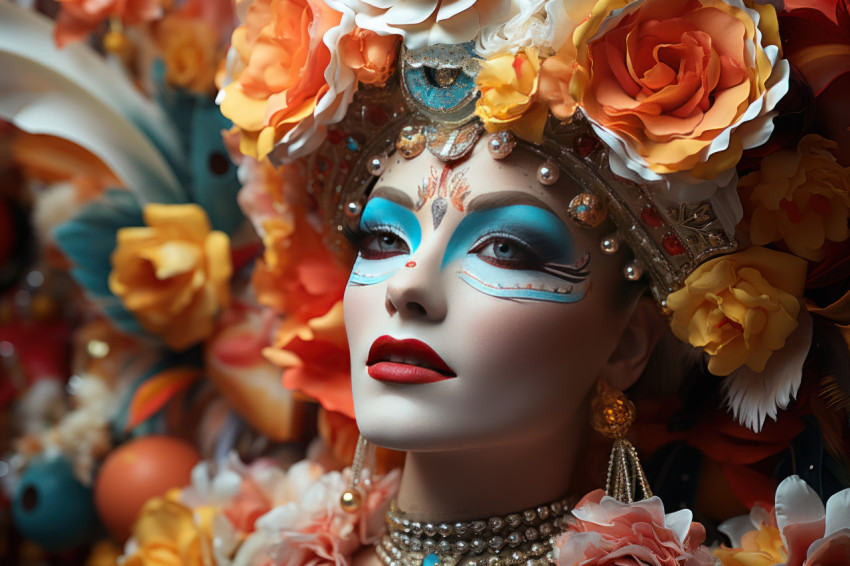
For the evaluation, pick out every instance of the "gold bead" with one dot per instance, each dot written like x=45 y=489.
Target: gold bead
x=612 y=413
x=351 y=500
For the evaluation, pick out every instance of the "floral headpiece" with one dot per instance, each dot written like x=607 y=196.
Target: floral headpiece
x=654 y=108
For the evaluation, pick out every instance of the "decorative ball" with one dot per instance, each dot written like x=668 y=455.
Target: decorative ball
x=353 y=209
x=612 y=413
x=351 y=500
x=411 y=142
x=610 y=244
x=135 y=472
x=633 y=271
x=587 y=210
x=377 y=164
x=548 y=173
x=53 y=509
x=501 y=144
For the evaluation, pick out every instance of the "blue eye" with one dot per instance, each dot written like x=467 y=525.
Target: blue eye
x=506 y=252
x=382 y=243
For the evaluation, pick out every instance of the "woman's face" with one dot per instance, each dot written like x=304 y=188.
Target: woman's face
x=477 y=312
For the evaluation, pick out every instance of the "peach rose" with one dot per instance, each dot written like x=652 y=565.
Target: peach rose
x=609 y=533
x=190 y=49
x=508 y=85
x=800 y=197
x=676 y=86
x=289 y=83
x=78 y=18
x=739 y=308
x=174 y=274
x=371 y=56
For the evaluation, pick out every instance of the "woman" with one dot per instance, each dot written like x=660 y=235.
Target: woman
x=518 y=179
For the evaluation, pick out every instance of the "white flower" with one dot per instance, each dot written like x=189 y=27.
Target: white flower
x=428 y=22
x=544 y=24
x=755 y=396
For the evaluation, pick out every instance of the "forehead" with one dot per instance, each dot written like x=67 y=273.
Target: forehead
x=481 y=174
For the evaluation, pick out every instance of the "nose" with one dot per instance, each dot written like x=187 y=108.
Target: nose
x=416 y=291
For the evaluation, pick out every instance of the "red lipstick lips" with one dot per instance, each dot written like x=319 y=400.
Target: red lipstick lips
x=406 y=361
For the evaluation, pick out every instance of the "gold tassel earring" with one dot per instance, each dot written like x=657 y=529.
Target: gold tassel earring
x=612 y=414
x=361 y=470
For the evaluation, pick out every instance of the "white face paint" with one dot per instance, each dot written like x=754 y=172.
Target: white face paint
x=475 y=273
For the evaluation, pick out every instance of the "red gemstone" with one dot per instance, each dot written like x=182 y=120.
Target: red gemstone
x=672 y=244
x=377 y=115
x=585 y=144
x=651 y=217
x=335 y=136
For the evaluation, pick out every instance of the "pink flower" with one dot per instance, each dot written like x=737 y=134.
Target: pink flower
x=315 y=530
x=607 y=532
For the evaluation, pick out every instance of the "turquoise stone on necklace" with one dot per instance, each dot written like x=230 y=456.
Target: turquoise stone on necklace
x=431 y=560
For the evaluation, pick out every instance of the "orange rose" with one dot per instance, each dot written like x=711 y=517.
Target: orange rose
x=675 y=85
x=800 y=197
x=315 y=359
x=298 y=275
x=174 y=274
x=371 y=56
x=284 y=58
x=79 y=18
x=190 y=48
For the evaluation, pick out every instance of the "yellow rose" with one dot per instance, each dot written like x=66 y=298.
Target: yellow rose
x=174 y=274
x=739 y=308
x=170 y=534
x=190 y=49
x=800 y=197
x=508 y=85
x=758 y=548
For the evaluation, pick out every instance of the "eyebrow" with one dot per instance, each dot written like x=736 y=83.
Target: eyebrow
x=506 y=198
x=394 y=195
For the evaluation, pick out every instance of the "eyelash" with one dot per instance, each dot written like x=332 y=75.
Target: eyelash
x=361 y=237
x=533 y=260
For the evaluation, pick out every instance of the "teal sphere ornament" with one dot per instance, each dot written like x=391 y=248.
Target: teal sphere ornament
x=51 y=508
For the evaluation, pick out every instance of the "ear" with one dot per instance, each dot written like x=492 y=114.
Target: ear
x=638 y=340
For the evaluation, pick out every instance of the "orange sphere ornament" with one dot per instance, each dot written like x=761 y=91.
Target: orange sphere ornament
x=135 y=472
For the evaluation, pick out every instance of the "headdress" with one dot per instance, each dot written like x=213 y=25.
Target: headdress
x=668 y=116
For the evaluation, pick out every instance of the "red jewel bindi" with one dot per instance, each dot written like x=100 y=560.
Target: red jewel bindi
x=410 y=264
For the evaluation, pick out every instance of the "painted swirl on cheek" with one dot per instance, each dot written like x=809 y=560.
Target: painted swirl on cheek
x=518 y=252
x=390 y=234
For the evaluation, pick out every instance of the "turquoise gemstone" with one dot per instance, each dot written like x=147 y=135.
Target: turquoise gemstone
x=431 y=560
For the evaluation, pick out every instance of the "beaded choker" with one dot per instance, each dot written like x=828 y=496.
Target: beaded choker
x=518 y=538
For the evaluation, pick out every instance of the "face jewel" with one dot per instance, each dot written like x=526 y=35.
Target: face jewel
x=610 y=244
x=587 y=210
x=411 y=142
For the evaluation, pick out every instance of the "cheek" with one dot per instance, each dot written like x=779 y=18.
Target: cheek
x=362 y=308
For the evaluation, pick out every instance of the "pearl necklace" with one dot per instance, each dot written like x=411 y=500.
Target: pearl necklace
x=518 y=538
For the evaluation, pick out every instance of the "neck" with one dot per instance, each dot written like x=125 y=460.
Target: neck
x=488 y=481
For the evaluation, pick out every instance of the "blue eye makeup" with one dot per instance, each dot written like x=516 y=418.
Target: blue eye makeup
x=518 y=252
x=390 y=233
